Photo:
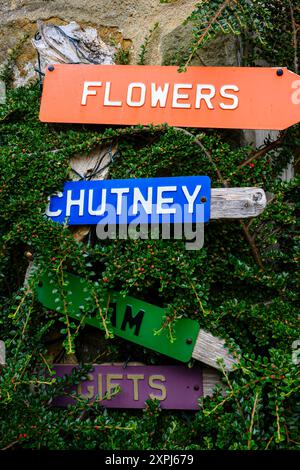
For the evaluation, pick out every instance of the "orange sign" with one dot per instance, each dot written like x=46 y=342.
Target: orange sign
x=221 y=97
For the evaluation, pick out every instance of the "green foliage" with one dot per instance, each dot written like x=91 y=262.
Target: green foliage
x=144 y=46
x=221 y=286
x=7 y=69
x=122 y=56
x=263 y=26
x=253 y=306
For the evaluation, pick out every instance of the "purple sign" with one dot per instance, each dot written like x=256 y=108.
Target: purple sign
x=176 y=387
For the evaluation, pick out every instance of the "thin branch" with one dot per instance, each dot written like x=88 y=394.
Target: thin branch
x=200 y=58
x=252 y=244
x=10 y=445
x=103 y=316
x=277 y=230
x=206 y=30
x=101 y=427
x=34 y=382
x=204 y=149
x=287 y=433
x=269 y=442
x=250 y=222
x=120 y=132
x=263 y=151
x=45 y=361
x=232 y=391
x=277 y=422
x=248 y=236
x=198 y=299
x=65 y=306
x=27 y=291
x=252 y=420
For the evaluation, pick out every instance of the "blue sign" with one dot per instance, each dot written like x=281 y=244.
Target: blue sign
x=183 y=199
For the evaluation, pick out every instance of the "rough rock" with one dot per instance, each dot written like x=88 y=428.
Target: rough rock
x=221 y=51
x=126 y=23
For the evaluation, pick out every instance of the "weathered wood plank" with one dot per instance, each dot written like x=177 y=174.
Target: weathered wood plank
x=237 y=203
x=2 y=92
x=191 y=341
x=2 y=353
x=208 y=349
x=93 y=166
x=211 y=378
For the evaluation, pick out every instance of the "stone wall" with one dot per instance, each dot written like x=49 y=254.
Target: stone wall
x=125 y=22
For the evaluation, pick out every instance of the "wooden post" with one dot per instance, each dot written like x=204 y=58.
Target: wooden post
x=2 y=353
x=136 y=321
x=211 y=378
x=174 y=386
x=2 y=92
x=237 y=203
x=208 y=349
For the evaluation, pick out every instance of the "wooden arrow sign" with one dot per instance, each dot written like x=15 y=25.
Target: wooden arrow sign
x=175 y=387
x=88 y=202
x=213 y=97
x=2 y=353
x=180 y=199
x=137 y=321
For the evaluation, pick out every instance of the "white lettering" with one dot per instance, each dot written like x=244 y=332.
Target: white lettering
x=75 y=202
x=120 y=192
x=50 y=213
x=191 y=197
x=98 y=211
x=234 y=98
x=86 y=92
x=107 y=101
x=139 y=198
x=159 y=95
x=141 y=101
x=180 y=96
x=167 y=200
x=207 y=97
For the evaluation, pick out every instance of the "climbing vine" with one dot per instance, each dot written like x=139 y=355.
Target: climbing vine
x=263 y=27
x=242 y=285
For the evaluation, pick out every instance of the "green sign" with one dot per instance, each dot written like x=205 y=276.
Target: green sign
x=132 y=319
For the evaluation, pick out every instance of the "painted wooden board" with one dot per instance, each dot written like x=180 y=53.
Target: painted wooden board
x=237 y=203
x=131 y=319
x=2 y=92
x=137 y=321
x=93 y=165
x=2 y=353
x=208 y=349
x=211 y=378
x=211 y=97
x=180 y=199
x=175 y=387
x=225 y=203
